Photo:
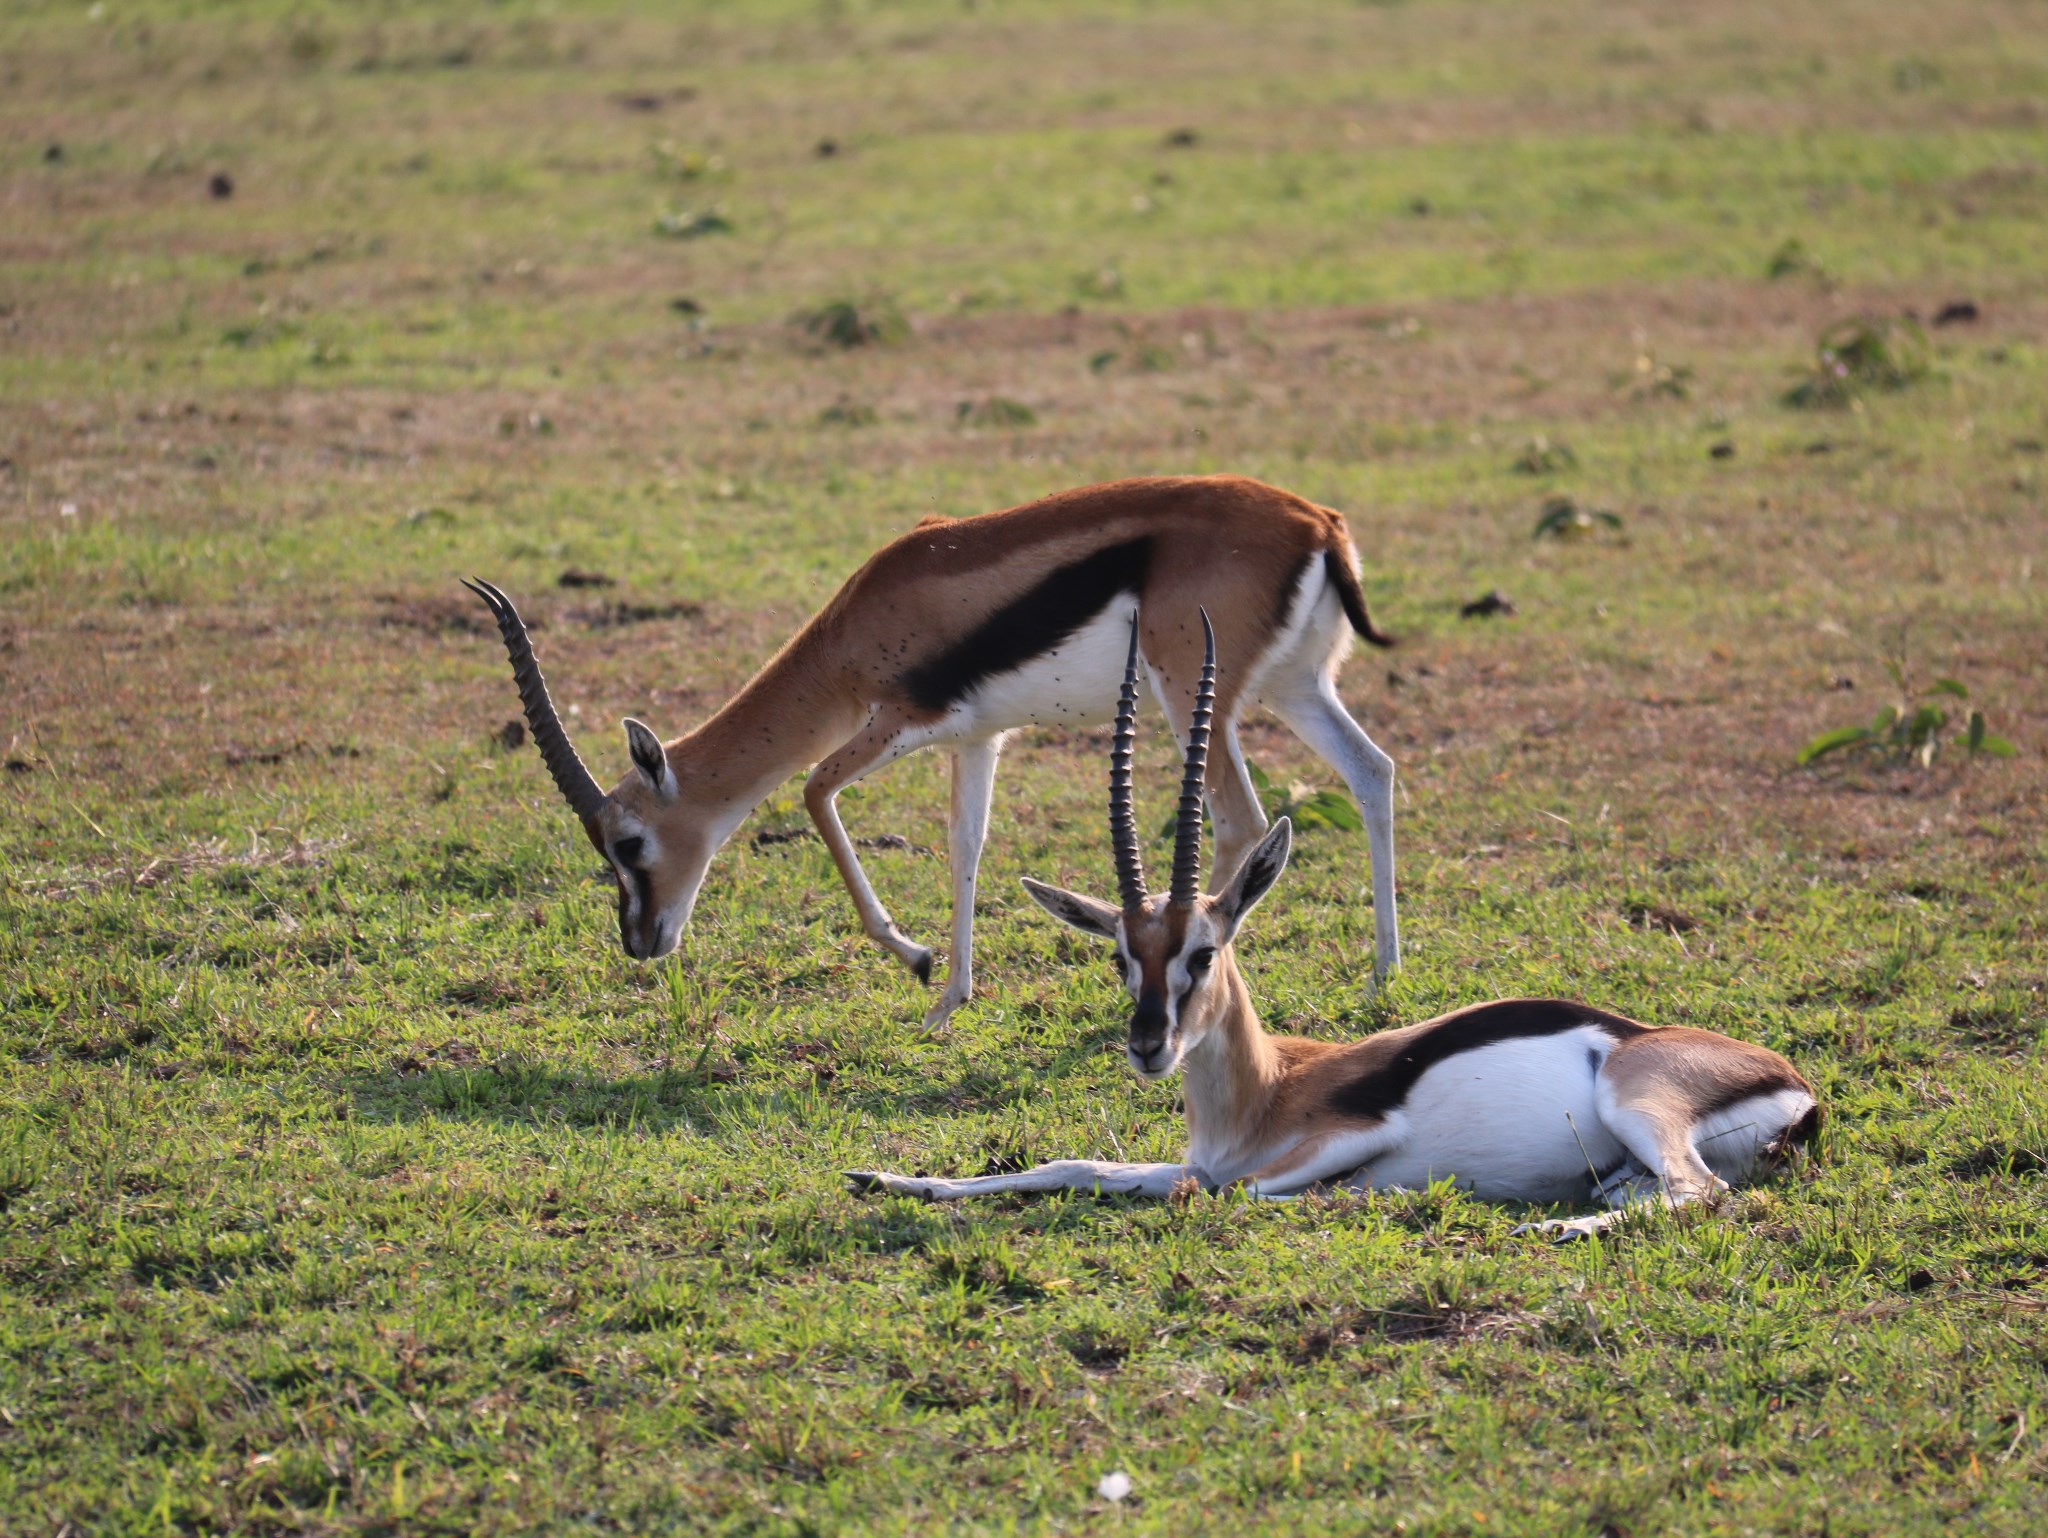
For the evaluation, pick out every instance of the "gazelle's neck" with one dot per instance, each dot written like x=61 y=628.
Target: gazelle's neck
x=790 y=714
x=1229 y=1078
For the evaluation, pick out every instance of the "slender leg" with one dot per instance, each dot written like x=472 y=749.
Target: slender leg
x=1319 y=718
x=1629 y=1186
x=1326 y=1156
x=974 y=783
x=1104 y=1179
x=886 y=738
x=1234 y=808
x=1656 y=1126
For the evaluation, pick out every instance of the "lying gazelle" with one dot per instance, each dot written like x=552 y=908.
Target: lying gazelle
x=1534 y=1100
x=964 y=630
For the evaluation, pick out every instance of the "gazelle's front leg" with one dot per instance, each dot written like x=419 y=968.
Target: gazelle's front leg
x=1099 y=1176
x=974 y=783
x=887 y=737
x=1322 y=1156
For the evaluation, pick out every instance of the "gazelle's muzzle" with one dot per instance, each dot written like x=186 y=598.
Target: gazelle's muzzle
x=1147 y=1041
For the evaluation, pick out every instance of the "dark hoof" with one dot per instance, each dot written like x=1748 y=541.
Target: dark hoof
x=923 y=967
x=861 y=1182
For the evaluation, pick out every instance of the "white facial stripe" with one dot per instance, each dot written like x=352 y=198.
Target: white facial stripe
x=632 y=876
x=1180 y=972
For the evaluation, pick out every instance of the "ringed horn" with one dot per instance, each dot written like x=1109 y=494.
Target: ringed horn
x=1187 y=833
x=1123 y=826
x=578 y=788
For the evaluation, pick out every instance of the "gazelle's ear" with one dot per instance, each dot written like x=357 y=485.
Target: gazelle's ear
x=1255 y=878
x=649 y=757
x=1086 y=914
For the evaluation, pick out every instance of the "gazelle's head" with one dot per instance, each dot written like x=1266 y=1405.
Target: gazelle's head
x=657 y=840
x=1173 y=952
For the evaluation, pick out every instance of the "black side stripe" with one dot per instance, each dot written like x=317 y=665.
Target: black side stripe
x=1373 y=1095
x=1283 y=601
x=1029 y=625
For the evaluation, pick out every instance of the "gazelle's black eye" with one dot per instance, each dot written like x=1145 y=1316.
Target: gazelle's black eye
x=1201 y=960
x=627 y=850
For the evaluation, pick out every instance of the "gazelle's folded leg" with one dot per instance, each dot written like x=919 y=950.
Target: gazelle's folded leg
x=1630 y=1186
x=1324 y=1156
x=1100 y=1176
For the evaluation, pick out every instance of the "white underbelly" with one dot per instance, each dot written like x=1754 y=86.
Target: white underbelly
x=1073 y=684
x=1514 y=1121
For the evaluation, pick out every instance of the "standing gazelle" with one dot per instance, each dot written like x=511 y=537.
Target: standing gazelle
x=964 y=630
x=1534 y=1100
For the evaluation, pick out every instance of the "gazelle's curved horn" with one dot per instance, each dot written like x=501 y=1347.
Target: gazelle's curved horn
x=1187 y=833
x=574 y=781
x=1123 y=825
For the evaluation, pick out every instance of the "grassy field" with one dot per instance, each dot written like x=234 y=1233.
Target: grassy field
x=351 y=1181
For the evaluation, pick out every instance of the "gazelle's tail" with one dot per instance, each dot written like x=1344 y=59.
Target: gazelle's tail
x=1337 y=562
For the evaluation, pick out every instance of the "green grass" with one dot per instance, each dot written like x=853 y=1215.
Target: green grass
x=352 y=1182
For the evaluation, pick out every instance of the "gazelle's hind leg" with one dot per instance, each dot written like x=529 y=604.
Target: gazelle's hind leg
x=1661 y=1096
x=1319 y=718
x=1233 y=802
x=1664 y=1169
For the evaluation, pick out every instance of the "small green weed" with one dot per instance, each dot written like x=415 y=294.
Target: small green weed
x=1907 y=731
x=847 y=413
x=1794 y=259
x=995 y=411
x=1656 y=380
x=1541 y=456
x=1564 y=518
x=849 y=323
x=1308 y=806
x=1853 y=357
x=675 y=163
x=1104 y=282
x=692 y=223
x=1139 y=353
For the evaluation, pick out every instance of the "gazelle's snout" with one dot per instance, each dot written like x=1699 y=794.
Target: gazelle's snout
x=650 y=942
x=1147 y=1044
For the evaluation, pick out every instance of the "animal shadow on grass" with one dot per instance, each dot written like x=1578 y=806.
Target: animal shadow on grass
x=455 y=1080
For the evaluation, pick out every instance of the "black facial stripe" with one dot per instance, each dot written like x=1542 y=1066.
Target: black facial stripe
x=1149 y=1018
x=1376 y=1093
x=1059 y=604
